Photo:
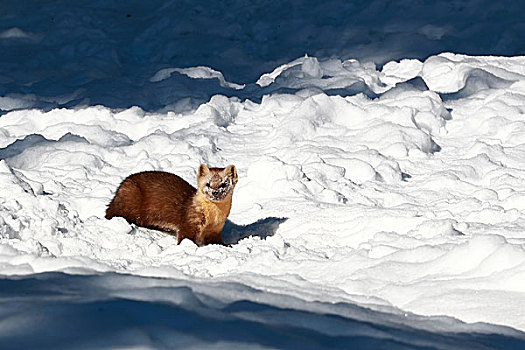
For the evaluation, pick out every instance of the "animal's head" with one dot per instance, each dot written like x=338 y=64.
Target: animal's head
x=216 y=183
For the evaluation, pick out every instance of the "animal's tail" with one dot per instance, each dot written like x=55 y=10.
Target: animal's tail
x=126 y=201
x=110 y=210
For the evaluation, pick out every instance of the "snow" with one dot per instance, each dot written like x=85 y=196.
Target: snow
x=195 y=73
x=381 y=192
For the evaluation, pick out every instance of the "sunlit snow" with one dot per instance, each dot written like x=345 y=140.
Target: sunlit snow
x=378 y=205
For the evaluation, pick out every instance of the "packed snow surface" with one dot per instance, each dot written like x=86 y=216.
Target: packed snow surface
x=409 y=201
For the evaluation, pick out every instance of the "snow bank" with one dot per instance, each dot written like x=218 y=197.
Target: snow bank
x=110 y=311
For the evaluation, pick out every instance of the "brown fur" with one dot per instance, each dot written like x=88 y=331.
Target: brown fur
x=164 y=201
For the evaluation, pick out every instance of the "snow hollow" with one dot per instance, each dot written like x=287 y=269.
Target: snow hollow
x=381 y=194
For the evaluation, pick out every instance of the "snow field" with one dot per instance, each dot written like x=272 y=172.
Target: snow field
x=397 y=197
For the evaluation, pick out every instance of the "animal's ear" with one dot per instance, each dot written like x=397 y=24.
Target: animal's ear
x=231 y=172
x=203 y=171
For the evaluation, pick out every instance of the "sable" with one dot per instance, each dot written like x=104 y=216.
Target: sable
x=164 y=201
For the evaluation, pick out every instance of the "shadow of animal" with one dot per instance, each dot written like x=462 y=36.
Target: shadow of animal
x=233 y=233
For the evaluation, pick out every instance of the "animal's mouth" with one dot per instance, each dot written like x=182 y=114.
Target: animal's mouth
x=215 y=198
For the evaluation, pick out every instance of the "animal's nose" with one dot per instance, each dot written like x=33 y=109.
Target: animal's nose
x=215 y=193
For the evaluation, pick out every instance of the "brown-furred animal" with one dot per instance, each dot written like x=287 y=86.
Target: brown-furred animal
x=164 y=201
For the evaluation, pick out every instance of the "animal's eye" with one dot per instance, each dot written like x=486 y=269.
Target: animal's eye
x=208 y=184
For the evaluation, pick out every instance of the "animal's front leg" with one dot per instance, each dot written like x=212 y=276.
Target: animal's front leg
x=211 y=236
x=193 y=229
x=201 y=239
x=193 y=232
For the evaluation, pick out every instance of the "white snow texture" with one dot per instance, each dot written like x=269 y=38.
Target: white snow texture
x=380 y=202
